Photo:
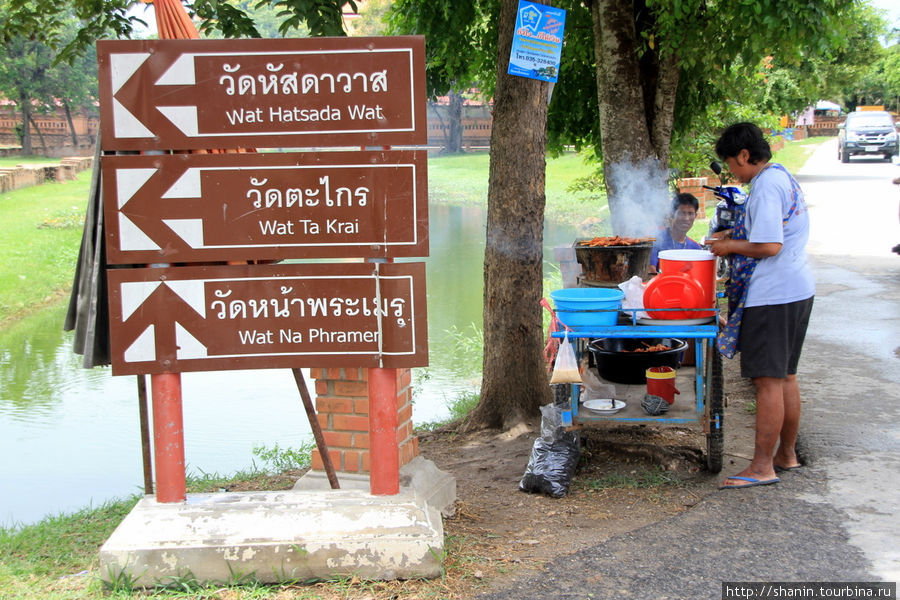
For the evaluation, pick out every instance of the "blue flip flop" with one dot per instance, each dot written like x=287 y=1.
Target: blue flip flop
x=751 y=482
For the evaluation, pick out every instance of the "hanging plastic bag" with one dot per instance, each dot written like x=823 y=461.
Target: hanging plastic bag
x=565 y=369
x=634 y=296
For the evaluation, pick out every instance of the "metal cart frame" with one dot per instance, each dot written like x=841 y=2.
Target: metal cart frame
x=708 y=380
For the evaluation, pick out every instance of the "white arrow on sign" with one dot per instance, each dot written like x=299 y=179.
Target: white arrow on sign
x=122 y=67
x=135 y=293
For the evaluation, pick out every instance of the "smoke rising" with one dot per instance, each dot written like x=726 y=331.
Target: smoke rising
x=640 y=198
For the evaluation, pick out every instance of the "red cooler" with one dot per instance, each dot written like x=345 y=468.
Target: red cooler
x=687 y=279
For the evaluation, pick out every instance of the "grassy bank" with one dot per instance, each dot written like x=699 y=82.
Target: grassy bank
x=41 y=235
x=13 y=161
x=463 y=179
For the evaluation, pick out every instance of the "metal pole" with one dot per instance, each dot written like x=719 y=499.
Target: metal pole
x=384 y=471
x=316 y=429
x=145 y=434
x=168 y=437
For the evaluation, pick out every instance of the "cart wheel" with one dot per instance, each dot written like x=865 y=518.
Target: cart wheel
x=715 y=439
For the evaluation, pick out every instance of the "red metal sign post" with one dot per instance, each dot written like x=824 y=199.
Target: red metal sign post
x=168 y=437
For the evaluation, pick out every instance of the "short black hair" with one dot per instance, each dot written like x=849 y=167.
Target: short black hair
x=685 y=198
x=743 y=136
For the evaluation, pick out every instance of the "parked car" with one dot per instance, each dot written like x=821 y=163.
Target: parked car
x=867 y=132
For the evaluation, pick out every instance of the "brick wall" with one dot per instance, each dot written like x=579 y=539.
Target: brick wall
x=342 y=406
x=694 y=185
x=22 y=176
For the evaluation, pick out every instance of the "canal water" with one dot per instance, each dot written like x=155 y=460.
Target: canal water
x=70 y=437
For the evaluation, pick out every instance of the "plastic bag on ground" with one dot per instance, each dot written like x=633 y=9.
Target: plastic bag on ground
x=554 y=456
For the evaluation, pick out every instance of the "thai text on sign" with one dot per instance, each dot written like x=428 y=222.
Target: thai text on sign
x=267 y=316
x=194 y=94
x=265 y=206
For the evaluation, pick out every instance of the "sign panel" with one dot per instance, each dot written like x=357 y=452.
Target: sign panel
x=265 y=206
x=255 y=93
x=267 y=316
x=537 y=41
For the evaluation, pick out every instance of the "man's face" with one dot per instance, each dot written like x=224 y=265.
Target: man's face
x=683 y=218
x=741 y=167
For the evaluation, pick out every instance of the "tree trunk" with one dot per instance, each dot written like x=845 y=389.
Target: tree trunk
x=635 y=130
x=454 y=116
x=514 y=383
x=40 y=134
x=436 y=108
x=71 y=124
x=26 y=126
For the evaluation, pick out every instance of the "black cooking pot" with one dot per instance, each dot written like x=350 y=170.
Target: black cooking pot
x=616 y=360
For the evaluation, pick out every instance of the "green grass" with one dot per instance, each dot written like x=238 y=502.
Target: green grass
x=42 y=228
x=463 y=179
x=795 y=154
x=14 y=161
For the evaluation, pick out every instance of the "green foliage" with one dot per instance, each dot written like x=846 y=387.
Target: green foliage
x=226 y=18
x=372 y=18
x=878 y=82
x=45 y=21
x=277 y=459
x=323 y=17
x=101 y=19
x=462 y=41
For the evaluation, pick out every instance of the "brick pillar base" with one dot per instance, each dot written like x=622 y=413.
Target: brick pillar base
x=342 y=407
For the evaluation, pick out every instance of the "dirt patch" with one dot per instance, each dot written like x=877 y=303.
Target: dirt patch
x=628 y=477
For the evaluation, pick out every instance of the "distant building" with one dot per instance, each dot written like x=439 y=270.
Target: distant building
x=54 y=128
x=477 y=118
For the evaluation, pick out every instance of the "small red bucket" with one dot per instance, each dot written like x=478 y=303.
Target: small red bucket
x=661 y=382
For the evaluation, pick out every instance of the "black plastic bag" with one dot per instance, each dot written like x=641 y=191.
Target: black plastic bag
x=554 y=457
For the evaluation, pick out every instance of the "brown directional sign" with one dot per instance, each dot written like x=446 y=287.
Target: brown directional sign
x=267 y=316
x=254 y=93
x=265 y=206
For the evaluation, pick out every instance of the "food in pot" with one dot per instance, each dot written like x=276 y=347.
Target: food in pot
x=616 y=240
x=648 y=348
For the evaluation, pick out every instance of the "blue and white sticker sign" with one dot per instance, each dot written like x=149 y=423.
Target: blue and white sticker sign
x=537 y=42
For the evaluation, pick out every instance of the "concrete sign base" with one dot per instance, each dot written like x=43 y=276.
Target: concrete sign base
x=419 y=476
x=276 y=537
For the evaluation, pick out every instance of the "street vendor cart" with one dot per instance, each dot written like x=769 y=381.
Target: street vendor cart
x=704 y=378
x=678 y=306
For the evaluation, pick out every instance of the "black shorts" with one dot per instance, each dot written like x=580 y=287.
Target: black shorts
x=771 y=338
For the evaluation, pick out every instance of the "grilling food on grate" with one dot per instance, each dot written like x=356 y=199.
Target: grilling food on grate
x=616 y=240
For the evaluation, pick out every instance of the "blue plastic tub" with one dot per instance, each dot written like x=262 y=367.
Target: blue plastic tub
x=582 y=308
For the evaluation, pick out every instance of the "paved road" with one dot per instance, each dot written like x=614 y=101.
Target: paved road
x=835 y=519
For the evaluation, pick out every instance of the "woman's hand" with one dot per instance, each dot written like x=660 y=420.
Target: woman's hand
x=720 y=246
